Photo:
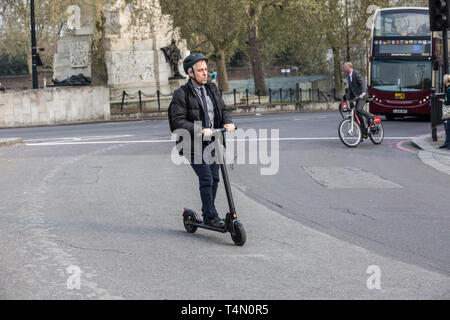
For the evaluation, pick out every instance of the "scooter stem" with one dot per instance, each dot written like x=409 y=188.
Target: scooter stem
x=226 y=180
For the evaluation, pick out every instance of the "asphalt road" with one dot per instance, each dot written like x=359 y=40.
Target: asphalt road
x=106 y=199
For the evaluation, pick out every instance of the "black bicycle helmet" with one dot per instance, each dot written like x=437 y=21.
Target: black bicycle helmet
x=192 y=59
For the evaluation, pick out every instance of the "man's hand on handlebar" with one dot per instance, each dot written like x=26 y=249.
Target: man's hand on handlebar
x=207 y=132
x=230 y=126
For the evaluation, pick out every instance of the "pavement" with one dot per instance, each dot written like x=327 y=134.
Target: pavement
x=431 y=155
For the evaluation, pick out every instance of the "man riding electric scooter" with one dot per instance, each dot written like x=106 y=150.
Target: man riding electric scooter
x=200 y=101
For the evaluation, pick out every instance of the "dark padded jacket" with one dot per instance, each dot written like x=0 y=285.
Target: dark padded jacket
x=186 y=108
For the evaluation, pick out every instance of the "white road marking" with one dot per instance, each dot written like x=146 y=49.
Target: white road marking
x=310 y=119
x=86 y=138
x=84 y=142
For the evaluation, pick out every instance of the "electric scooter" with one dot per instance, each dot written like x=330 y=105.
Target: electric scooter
x=232 y=224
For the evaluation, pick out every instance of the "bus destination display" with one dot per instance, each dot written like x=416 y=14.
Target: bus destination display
x=399 y=48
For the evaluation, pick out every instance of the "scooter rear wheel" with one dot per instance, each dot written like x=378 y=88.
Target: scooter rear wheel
x=239 y=236
x=187 y=217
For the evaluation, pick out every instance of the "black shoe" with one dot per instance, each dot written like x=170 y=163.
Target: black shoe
x=216 y=222
x=443 y=146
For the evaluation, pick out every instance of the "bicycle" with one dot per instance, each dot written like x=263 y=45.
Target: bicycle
x=350 y=131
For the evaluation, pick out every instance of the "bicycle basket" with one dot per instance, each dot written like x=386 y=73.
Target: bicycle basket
x=344 y=106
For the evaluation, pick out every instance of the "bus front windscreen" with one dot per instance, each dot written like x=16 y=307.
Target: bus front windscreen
x=401 y=75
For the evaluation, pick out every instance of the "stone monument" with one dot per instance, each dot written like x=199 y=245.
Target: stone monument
x=73 y=56
x=133 y=55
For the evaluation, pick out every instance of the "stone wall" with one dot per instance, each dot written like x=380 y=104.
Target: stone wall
x=54 y=106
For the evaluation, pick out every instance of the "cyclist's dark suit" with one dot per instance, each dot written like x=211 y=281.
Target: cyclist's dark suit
x=356 y=87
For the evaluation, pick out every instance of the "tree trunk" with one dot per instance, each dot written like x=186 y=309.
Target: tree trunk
x=29 y=64
x=99 y=71
x=222 y=76
x=255 y=58
x=338 y=81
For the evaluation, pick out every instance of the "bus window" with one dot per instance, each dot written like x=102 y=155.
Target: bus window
x=398 y=23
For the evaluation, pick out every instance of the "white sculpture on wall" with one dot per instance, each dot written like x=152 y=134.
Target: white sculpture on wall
x=79 y=54
x=74 y=18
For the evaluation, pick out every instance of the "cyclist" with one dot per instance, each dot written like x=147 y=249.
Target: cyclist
x=357 y=88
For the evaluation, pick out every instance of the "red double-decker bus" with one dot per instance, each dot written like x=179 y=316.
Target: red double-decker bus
x=401 y=62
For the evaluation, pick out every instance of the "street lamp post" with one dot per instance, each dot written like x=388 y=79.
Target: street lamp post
x=33 y=48
x=445 y=48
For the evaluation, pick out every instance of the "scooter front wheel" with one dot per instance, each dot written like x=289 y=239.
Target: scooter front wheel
x=239 y=236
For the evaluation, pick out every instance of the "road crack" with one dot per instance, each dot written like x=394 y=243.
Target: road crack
x=354 y=213
x=94 y=249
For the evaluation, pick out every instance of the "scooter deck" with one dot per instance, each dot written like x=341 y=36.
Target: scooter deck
x=205 y=226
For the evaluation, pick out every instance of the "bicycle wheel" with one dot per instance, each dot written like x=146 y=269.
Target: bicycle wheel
x=377 y=134
x=351 y=137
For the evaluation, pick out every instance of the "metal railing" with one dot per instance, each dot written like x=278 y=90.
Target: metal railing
x=240 y=98
x=139 y=96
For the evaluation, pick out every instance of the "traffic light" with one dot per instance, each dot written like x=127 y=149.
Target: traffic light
x=439 y=14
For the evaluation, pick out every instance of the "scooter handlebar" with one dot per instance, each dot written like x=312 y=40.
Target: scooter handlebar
x=216 y=131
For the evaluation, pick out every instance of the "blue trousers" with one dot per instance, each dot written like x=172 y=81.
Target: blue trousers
x=208 y=178
x=447 y=133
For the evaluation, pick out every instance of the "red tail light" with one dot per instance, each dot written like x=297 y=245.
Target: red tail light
x=376 y=120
